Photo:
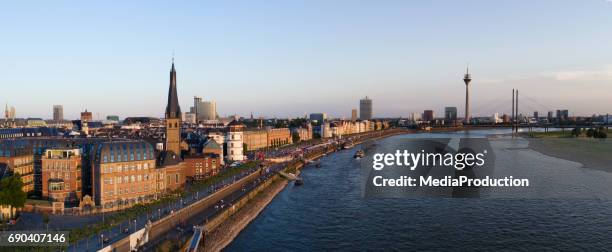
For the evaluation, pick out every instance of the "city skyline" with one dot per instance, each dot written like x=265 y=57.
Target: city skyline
x=293 y=59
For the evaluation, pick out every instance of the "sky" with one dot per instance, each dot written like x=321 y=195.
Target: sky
x=290 y=58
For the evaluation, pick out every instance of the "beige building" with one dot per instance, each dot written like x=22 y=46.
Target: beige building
x=256 y=139
x=124 y=173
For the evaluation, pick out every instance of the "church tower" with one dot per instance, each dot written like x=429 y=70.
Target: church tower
x=173 y=117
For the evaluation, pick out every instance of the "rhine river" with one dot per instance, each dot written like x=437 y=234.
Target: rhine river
x=568 y=208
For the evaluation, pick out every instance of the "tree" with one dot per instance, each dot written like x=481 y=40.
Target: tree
x=590 y=133
x=45 y=217
x=576 y=132
x=600 y=133
x=11 y=192
x=295 y=137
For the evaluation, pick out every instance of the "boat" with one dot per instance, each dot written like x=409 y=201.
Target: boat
x=348 y=145
x=298 y=181
x=359 y=154
x=318 y=165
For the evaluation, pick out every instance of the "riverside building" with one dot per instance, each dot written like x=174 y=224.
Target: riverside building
x=62 y=175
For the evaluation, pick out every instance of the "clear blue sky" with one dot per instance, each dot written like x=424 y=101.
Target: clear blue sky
x=288 y=58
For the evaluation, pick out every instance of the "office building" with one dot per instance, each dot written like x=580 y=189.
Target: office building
x=365 y=109
x=124 y=173
x=318 y=117
x=562 y=115
x=353 y=115
x=450 y=114
x=550 y=116
x=58 y=113
x=204 y=110
x=428 y=115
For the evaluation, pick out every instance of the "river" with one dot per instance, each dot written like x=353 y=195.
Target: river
x=567 y=208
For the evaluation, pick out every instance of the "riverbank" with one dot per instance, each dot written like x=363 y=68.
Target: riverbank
x=591 y=153
x=226 y=232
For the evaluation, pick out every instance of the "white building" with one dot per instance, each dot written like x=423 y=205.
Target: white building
x=234 y=141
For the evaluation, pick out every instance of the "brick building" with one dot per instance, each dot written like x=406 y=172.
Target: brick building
x=61 y=175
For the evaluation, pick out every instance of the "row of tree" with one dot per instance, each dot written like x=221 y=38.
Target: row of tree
x=600 y=132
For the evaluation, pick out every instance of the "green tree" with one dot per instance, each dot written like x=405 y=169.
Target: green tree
x=576 y=132
x=11 y=192
x=590 y=133
x=295 y=137
x=45 y=217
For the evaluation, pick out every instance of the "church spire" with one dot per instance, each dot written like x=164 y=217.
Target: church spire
x=173 y=110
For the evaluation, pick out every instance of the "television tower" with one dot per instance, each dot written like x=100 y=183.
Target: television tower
x=467 y=79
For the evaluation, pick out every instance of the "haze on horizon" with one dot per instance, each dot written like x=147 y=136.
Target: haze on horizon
x=290 y=58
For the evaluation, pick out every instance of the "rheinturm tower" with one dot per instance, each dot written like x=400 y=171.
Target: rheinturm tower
x=467 y=79
x=173 y=117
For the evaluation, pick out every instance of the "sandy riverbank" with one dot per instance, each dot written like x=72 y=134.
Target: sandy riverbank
x=591 y=153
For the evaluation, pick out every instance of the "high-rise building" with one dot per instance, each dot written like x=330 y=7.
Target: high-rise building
x=415 y=117
x=365 y=109
x=58 y=113
x=428 y=115
x=354 y=115
x=536 y=115
x=319 y=117
x=467 y=78
x=450 y=114
x=173 y=117
x=562 y=115
x=204 y=110
x=550 y=116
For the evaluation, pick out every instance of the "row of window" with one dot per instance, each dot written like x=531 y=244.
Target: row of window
x=121 y=191
x=123 y=156
x=58 y=165
x=127 y=179
x=125 y=167
x=59 y=186
x=59 y=175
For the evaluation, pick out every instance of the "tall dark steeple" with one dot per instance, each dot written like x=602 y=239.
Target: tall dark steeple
x=173 y=110
x=173 y=117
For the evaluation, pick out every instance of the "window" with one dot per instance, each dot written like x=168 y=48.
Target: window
x=139 y=177
x=177 y=178
x=133 y=178
x=105 y=158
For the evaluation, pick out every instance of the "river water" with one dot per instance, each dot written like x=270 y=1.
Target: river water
x=567 y=208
